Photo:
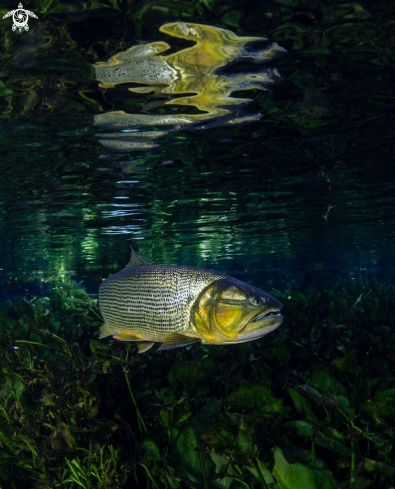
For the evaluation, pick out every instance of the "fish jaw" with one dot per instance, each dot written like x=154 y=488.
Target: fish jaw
x=255 y=329
x=259 y=328
x=263 y=323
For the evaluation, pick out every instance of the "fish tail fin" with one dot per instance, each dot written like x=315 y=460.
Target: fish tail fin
x=106 y=330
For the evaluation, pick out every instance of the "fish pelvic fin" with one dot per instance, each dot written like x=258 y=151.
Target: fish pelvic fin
x=128 y=337
x=105 y=331
x=143 y=346
x=176 y=340
x=135 y=260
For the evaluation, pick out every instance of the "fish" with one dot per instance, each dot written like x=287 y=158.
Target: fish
x=177 y=305
x=123 y=145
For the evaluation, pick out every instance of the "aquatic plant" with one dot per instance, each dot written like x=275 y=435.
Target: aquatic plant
x=314 y=402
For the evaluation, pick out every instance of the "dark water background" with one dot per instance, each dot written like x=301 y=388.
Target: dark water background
x=249 y=199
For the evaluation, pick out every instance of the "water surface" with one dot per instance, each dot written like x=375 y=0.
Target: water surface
x=252 y=196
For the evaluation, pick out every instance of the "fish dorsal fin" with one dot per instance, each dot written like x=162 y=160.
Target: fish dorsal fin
x=143 y=346
x=175 y=340
x=135 y=260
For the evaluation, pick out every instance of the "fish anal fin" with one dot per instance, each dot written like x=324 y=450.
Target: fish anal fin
x=135 y=260
x=176 y=340
x=128 y=337
x=143 y=346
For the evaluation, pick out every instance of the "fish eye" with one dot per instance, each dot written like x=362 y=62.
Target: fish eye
x=258 y=301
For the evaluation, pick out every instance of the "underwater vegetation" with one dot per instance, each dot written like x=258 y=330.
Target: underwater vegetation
x=312 y=405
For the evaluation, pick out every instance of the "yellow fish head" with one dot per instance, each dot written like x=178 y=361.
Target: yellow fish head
x=231 y=311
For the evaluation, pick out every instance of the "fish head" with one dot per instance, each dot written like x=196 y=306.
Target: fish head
x=231 y=311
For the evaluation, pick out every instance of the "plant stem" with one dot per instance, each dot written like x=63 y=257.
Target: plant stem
x=139 y=417
x=240 y=473
x=352 y=470
x=227 y=380
x=201 y=456
x=239 y=480
x=313 y=452
x=260 y=476
x=149 y=476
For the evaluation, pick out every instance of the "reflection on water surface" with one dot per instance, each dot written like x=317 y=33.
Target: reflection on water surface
x=196 y=70
x=209 y=197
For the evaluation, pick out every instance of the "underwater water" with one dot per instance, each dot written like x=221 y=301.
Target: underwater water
x=252 y=138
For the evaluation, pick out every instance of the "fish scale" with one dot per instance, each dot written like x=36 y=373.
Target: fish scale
x=153 y=300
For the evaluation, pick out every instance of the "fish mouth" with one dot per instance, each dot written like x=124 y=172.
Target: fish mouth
x=268 y=315
x=267 y=322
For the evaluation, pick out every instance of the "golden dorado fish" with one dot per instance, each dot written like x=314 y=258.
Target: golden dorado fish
x=178 y=305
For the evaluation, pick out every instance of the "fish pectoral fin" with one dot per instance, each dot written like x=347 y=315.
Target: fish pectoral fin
x=143 y=346
x=129 y=337
x=175 y=340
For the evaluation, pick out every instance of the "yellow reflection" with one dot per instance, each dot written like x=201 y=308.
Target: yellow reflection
x=195 y=72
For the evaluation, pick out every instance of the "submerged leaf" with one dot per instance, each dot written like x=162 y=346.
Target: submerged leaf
x=12 y=386
x=61 y=439
x=306 y=429
x=255 y=397
x=171 y=417
x=302 y=428
x=298 y=476
x=348 y=363
x=325 y=381
x=382 y=404
x=152 y=450
x=191 y=376
x=375 y=466
x=218 y=436
x=184 y=453
x=265 y=472
x=98 y=347
x=302 y=404
x=245 y=443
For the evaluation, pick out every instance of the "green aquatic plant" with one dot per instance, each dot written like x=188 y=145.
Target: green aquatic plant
x=314 y=402
x=97 y=469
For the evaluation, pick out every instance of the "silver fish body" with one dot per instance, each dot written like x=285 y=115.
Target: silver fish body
x=153 y=300
x=177 y=305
